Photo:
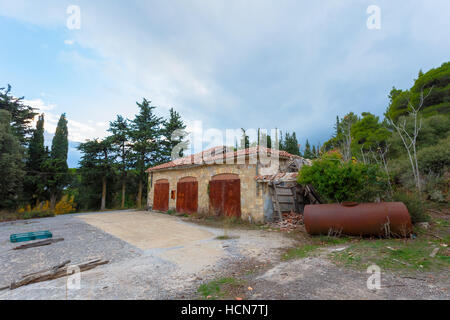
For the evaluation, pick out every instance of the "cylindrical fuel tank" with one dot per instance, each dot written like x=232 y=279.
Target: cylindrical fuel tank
x=358 y=219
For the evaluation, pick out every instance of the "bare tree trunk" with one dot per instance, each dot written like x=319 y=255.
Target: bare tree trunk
x=386 y=169
x=410 y=139
x=103 y=206
x=347 y=151
x=123 y=195
x=139 y=196
x=52 y=201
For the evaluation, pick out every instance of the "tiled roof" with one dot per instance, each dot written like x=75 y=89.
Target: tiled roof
x=211 y=155
x=281 y=176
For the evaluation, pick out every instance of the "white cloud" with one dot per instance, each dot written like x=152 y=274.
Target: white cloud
x=69 y=42
x=78 y=131
x=290 y=64
x=39 y=104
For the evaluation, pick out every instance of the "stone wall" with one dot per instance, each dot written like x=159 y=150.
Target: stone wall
x=251 y=193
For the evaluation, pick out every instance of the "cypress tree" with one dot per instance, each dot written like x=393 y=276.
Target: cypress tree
x=56 y=166
x=37 y=155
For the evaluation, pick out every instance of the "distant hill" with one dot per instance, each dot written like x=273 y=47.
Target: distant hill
x=438 y=102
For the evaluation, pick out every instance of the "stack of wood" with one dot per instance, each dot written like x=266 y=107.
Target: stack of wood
x=291 y=197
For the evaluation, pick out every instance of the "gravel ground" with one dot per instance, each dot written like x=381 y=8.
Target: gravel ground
x=82 y=243
x=133 y=273
x=172 y=265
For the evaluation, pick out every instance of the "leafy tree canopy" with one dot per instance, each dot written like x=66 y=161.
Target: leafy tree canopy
x=438 y=102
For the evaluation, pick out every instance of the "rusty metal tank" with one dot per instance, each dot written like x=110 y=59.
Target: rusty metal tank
x=358 y=219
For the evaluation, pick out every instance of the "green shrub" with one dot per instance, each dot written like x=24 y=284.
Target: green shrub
x=435 y=158
x=340 y=181
x=171 y=212
x=414 y=204
x=35 y=215
x=435 y=187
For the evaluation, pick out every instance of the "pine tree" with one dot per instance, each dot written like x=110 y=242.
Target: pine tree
x=21 y=115
x=295 y=145
x=174 y=135
x=337 y=127
x=11 y=164
x=120 y=145
x=308 y=153
x=35 y=180
x=97 y=164
x=145 y=134
x=314 y=152
x=56 y=166
x=290 y=144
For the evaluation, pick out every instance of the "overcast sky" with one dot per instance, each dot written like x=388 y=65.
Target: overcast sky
x=293 y=65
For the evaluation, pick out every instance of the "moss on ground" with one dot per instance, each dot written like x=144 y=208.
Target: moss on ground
x=223 y=288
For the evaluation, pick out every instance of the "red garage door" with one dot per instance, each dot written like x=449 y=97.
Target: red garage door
x=187 y=195
x=161 y=195
x=225 y=195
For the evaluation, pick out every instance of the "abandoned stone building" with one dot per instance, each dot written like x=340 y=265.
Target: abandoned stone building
x=233 y=184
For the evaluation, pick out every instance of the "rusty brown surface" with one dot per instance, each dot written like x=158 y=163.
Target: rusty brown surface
x=187 y=196
x=365 y=219
x=161 y=196
x=225 y=197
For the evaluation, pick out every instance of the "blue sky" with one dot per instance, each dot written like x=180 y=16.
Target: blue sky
x=293 y=65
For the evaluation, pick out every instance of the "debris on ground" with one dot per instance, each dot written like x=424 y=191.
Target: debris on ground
x=435 y=251
x=38 y=244
x=290 y=222
x=58 y=271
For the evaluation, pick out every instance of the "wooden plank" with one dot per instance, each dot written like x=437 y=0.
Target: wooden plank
x=284 y=192
x=295 y=199
x=287 y=201
x=38 y=244
x=280 y=215
x=56 y=272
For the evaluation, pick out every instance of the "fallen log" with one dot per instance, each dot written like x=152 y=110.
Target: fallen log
x=58 y=271
x=38 y=244
x=49 y=269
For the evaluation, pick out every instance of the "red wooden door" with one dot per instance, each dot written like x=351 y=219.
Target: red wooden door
x=225 y=197
x=161 y=196
x=187 y=196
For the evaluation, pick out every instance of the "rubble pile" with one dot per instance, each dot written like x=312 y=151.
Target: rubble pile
x=290 y=222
